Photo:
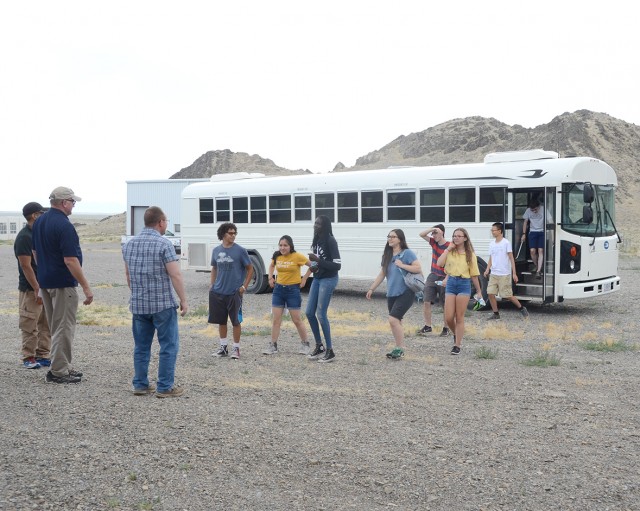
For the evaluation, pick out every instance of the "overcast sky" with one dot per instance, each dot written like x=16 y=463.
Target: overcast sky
x=95 y=93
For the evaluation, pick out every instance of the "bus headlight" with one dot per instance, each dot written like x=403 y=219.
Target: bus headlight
x=570 y=255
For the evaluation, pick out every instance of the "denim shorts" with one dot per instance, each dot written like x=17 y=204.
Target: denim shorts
x=287 y=296
x=458 y=286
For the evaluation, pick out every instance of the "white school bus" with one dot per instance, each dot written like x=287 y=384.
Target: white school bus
x=581 y=241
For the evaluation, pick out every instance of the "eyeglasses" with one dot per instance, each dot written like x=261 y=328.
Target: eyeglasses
x=232 y=233
x=391 y=237
x=71 y=201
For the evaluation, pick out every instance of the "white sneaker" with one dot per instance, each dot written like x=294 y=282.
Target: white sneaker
x=271 y=349
x=305 y=349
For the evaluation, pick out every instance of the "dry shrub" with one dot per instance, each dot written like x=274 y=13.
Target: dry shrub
x=498 y=332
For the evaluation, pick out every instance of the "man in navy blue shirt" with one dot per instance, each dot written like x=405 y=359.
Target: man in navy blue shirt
x=56 y=247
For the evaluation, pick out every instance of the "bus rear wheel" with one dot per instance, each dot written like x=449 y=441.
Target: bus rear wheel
x=258 y=283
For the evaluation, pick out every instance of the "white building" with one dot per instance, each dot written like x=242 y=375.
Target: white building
x=164 y=193
x=11 y=222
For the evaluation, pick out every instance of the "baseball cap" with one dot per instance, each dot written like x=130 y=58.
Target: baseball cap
x=30 y=208
x=63 y=193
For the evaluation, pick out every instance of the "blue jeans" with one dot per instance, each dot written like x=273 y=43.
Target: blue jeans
x=144 y=326
x=317 y=305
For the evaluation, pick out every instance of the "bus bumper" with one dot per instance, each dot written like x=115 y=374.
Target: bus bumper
x=575 y=290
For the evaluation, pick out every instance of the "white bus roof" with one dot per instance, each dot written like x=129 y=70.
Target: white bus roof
x=511 y=174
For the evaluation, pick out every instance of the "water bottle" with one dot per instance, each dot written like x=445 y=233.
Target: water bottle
x=240 y=315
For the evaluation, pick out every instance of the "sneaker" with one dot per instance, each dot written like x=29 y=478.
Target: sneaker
x=75 y=374
x=524 y=312
x=495 y=315
x=50 y=378
x=424 y=330
x=305 y=349
x=44 y=362
x=174 y=392
x=317 y=353
x=222 y=352
x=271 y=349
x=445 y=332
x=235 y=353
x=455 y=350
x=396 y=354
x=30 y=363
x=145 y=391
x=329 y=356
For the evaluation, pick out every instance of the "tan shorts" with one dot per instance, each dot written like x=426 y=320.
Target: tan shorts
x=500 y=285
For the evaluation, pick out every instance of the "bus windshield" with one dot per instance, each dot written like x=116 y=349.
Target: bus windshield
x=603 y=210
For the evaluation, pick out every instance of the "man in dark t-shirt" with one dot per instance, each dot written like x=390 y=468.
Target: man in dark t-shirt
x=36 y=338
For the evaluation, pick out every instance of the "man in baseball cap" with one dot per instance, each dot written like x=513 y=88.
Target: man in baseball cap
x=64 y=193
x=56 y=247
x=30 y=208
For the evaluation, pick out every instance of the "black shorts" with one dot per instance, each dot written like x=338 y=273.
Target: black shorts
x=399 y=305
x=433 y=292
x=223 y=308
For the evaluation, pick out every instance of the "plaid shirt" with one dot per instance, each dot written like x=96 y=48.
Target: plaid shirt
x=146 y=256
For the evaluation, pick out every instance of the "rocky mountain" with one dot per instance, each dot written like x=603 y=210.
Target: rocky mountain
x=225 y=161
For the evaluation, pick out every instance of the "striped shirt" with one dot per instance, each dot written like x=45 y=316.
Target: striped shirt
x=437 y=251
x=146 y=256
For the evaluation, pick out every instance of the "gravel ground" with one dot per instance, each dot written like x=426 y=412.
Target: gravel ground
x=429 y=432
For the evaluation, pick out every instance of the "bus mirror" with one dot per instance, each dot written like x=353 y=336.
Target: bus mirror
x=587 y=215
x=587 y=193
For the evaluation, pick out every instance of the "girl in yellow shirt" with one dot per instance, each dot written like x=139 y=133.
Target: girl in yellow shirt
x=286 y=292
x=461 y=266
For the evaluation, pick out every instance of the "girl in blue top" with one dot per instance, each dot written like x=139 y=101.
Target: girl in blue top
x=397 y=259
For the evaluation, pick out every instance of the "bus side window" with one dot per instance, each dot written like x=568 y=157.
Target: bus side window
x=432 y=206
x=258 y=210
x=302 y=208
x=325 y=205
x=462 y=205
x=347 y=206
x=401 y=205
x=372 y=210
x=206 y=211
x=241 y=210
x=223 y=210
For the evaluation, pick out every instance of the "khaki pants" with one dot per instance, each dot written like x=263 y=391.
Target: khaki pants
x=61 y=306
x=36 y=338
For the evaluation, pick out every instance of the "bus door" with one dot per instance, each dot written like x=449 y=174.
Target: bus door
x=531 y=286
x=549 y=273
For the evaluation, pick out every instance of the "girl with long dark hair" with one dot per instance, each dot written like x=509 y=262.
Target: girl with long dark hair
x=286 y=292
x=325 y=264
x=396 y=259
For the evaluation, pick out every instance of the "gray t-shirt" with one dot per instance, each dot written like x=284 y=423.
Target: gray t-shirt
x=231 y=264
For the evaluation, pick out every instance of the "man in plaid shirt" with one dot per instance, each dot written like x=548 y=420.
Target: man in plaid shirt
x=153 y=273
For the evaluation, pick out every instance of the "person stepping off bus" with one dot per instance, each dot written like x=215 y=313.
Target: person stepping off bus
x=502 y=267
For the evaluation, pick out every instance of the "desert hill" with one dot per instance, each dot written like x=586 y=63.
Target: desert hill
x=225 y=161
